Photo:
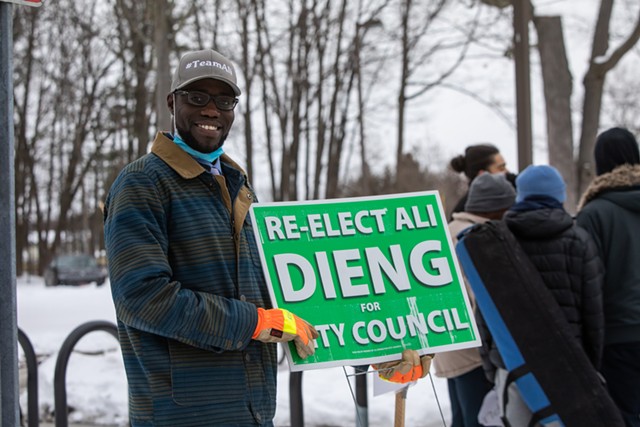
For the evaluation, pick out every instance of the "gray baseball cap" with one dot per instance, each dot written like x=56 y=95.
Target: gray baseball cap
x=204 y=64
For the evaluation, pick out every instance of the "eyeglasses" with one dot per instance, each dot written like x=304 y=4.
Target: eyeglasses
x=201 y=99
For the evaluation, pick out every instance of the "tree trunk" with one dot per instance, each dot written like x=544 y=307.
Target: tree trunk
x=161 y=31
x=140 y=113
x=321 y=45
x=23 y=155
x=336 y=135
x=404 y=63
x=364 y=165
x=262 y=64
x=247 y=67
x=557 y=84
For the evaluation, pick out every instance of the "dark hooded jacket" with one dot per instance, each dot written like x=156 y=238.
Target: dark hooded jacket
x=568 y=263
x=610 y=212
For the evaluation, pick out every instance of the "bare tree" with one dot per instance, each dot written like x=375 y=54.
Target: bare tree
x=417 y=21
x=246 y=10
x=25 y=27
x=557 y=85
x=602 y=61
x=68 y=98
x=303 y=77
x=132 y=47
x=295 y=87
x=162 y=21
x=316 y=74
x=363 y=25
x=336 y=127
x=623 y=103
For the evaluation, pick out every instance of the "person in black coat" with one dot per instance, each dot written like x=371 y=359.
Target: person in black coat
x=610 y=211
x=563 y=253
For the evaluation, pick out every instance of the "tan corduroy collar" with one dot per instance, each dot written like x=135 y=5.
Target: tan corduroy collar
x=179 y=160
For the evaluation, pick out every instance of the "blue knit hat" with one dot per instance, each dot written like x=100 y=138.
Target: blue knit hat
x=540 y=180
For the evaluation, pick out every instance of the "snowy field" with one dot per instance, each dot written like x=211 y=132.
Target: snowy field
x=96 y=383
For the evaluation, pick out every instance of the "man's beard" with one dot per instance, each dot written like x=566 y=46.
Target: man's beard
x=188 y=138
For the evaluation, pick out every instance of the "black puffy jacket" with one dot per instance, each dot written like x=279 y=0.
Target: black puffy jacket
x=566 y=257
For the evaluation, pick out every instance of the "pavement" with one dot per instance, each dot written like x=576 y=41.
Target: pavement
x=23 y=384
x=45 y=424
x=74 y=425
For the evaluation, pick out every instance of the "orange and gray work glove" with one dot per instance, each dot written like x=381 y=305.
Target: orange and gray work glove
x=410 y=367
x=279 y=325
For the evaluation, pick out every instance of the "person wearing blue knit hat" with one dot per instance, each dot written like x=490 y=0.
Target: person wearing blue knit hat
x=568 y=262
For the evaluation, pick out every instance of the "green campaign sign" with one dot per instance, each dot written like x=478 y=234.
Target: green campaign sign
x=374 y=275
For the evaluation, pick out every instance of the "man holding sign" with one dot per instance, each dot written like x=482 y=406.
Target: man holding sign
x=195 y=322
x=196 y=325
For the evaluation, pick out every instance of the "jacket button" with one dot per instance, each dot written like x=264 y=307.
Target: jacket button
x=239 y=345
x=243 y=298
x=258 y=417
x=247 y=357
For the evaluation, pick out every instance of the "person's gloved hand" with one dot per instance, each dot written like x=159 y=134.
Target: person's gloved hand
x=279 y=325
x=410 y=367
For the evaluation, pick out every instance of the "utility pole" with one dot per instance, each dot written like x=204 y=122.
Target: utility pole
x=9 y=385
x=521 y=18
x=9 y=388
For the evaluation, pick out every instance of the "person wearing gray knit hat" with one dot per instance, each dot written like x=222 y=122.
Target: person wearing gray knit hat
x=490 y=193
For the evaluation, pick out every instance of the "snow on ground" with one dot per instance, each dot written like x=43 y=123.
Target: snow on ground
x=96 y=383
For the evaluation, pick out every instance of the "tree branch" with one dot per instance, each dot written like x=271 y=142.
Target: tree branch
x=625 y=47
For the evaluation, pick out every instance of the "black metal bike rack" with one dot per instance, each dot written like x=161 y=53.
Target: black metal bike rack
x=296 y=411
x=362 y=402
x=33 y=416
x=60 y=375
x=295 y=399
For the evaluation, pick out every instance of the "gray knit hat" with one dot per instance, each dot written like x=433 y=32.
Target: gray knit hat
x=204 y=64
x=490 y=193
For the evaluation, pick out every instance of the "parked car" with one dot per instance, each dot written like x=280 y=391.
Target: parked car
x=74 y=270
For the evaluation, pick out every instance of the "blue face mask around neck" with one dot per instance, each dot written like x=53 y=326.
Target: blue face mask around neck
x=209 y=157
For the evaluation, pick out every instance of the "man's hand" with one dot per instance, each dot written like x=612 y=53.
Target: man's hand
x=410 y=367
x=279 y=325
